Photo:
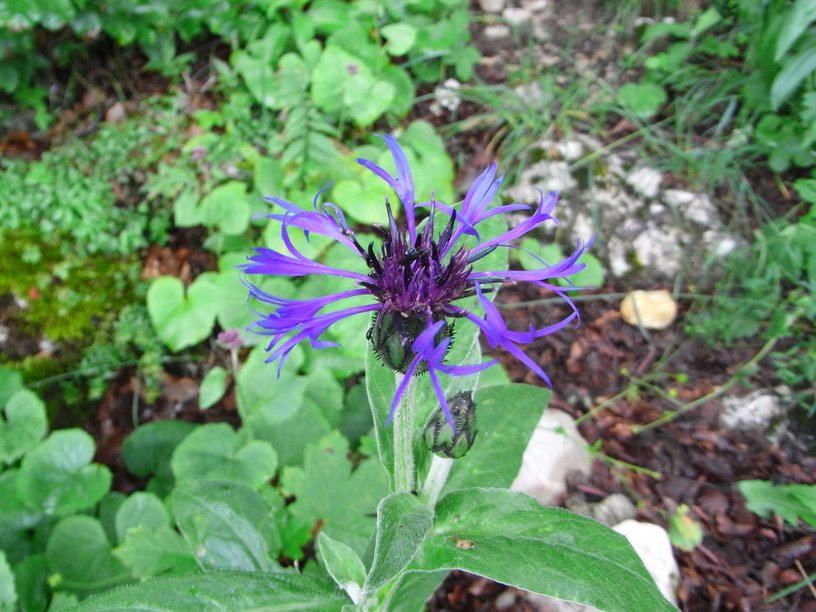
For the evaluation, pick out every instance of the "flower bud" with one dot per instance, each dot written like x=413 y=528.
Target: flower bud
x=393 y=336
x=441 y=438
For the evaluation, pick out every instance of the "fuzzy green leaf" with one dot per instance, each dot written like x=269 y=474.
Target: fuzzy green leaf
x=24 y=425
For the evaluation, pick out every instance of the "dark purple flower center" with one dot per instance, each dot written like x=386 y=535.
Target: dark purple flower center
x=412 y=280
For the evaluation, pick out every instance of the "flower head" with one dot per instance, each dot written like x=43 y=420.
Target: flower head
x=417 y=279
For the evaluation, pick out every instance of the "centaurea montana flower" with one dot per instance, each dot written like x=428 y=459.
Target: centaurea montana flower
x=416 y=281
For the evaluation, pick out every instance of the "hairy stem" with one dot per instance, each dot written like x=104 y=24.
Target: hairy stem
x=437 y=476
x=404 y=439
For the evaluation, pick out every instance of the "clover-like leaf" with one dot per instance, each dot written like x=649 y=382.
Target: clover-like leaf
x=24 y=425
x=179 y=320
x=226 y=207
x=57 y=475
x=326 y=489
x=217 y=452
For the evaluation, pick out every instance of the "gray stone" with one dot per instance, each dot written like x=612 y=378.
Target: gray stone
x=614 y=509
x=556 y=448
x=543 y=175
x=653 y=546
x=695 y=207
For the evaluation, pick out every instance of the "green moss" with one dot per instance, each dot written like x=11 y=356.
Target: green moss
x=68 y=297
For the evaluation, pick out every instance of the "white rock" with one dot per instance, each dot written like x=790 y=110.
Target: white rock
x=555 y=449
x=447 y=94
x=645 y=181
x=756 y=410
x=656 y=210
x=696 y=207
x=659 y=248
x=616 y=256
x=491 y=6
x=535 y=6
x=651 y=309
x=652 y=544
x=497 y=31
x=582 y=228
x=517 y=17
x=4 y=334
x=570 y=149
x=542 y=603
x=720 y=243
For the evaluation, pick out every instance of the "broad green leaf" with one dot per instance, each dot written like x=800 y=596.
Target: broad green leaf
x=806 y=188
x=685 y=532
x=506 y=416
x=80 y=558
x=329 y=77
x=705 y=21
x=362 y=201
x=8 y=592
x=342 y=564
x=150 y=552
x=228 y=525
x=226 y=207
x=400 y=36
x=31 y=580
x=402 y=524
x=289 y=412
x=512 y=539
x=24 y=425
x=57 y=475
x=412 y=591
x=326 y=489
x=17 y=519
x=148 y=450
x=798 y=18
x=186 y=212
x=11 y=381
x=217 y=452
x=367 y=97
x=212 y=387
x=788 y=80
x=224 y=591
x=643 y=100
x=537 y=255
x=179 y=320
x=791 y=502
x=141 y=509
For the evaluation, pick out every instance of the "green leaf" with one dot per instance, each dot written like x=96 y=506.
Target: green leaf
x=504 y=429
x=148 y=450
x=224 y=591
x=329 y=77
x=217 y=452
x=402 y=524
x=186 y=212
x=57 y=475
x=326 y=489
x=412 y=591
x=791 y=502
x=227 y=207
x=150 y=552
x=31 y=580
x=512 y=539
x=342 y=564
x=8 y=593
x=182 y=321
x=228 y=525
x=212 y=387
x=796 y=21
x=788 y=80
x=24 y=425
x=685 y=532
x=141 y=509
x=11 y=381
x=643 y=100
x=80 y=558
x=400 y=36
x=806 y=188
x=367 y=97
x=549 y=254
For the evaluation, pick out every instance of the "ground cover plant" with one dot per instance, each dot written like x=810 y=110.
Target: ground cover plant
x=233 y=376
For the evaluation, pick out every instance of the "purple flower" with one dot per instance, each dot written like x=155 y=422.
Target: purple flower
x=416 y=279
